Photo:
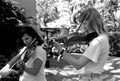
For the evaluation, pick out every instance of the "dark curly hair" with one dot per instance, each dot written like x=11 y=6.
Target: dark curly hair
x=30 y=31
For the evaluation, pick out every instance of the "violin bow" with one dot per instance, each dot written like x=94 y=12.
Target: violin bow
x=82 y=22
x=18 y=56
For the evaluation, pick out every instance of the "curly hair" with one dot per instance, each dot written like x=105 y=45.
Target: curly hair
x=30 y=31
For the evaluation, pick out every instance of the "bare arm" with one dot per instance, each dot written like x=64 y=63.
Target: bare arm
x=77 y=63
x=77 y=56
x=37 y=65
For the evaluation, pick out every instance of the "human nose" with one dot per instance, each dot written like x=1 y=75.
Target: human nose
x=25 y=41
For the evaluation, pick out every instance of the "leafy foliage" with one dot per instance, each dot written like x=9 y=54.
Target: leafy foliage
x=108 y=10
x=47 y=11
x=114 y=44
x=10 y=18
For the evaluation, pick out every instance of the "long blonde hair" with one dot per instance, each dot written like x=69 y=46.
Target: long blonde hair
x=95 y=20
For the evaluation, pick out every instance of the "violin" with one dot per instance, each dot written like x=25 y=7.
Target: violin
x=75 y=38
x=81 y=38
x=16 y=59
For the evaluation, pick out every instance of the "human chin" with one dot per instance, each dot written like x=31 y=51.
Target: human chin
x=26 y=43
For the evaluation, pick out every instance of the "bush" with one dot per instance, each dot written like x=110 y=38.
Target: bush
x=114 y=40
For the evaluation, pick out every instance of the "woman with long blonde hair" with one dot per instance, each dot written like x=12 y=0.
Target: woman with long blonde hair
x=92 y=61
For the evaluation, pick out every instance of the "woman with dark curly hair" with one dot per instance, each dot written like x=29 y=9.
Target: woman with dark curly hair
x=34 y=67
x=34 y=57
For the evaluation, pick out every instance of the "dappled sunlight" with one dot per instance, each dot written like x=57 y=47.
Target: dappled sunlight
x=108 y=66
x=115 y=71
x=51 y=71
x=69 y=72
x=111 y=71
x=54 y=71
x=66 y=71
x=117 y=76
x=116 y=59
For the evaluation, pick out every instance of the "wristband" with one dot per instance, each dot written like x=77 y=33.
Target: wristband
x=62 y=51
